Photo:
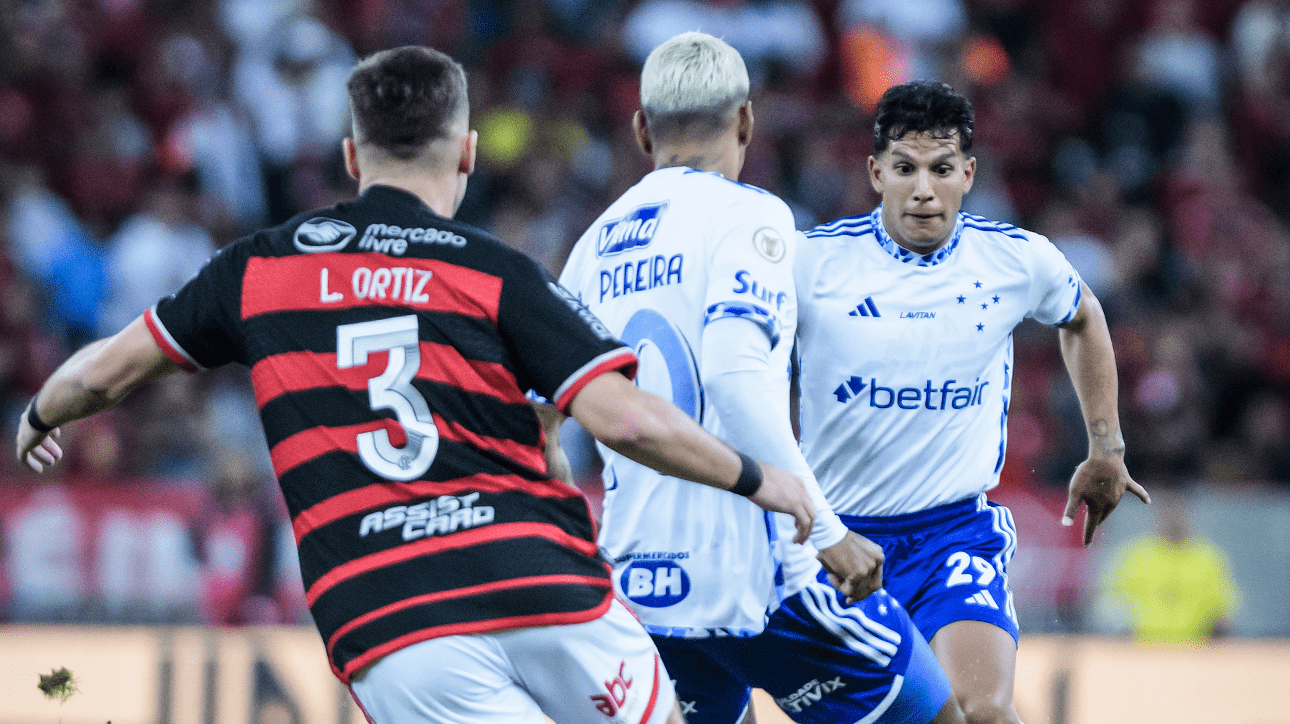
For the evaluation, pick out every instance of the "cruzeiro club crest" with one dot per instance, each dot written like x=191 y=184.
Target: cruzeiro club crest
x=323 y=234
x=767 y=243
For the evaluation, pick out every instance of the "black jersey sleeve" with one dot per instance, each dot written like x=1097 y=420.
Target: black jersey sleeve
x=199 y=326
x=559 y=345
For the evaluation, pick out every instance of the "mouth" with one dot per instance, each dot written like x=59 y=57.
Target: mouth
x=924 y=217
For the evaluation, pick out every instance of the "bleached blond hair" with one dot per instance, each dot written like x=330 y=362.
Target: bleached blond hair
x=691 y=86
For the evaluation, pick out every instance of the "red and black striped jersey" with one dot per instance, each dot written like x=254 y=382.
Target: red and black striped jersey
x=390 y=350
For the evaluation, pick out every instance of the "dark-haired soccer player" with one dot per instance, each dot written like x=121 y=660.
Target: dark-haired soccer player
x=905 y=338
x=390 y=348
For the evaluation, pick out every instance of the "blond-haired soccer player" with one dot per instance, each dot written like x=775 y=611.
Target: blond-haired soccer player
x=693 y=270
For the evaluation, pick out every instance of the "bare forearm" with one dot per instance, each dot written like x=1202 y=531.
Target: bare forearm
x=100 y=375
x=656 y=434
x=65 y=397
x=1090 y=361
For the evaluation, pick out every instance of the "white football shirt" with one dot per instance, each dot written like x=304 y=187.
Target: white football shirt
x=906 y=359
x=681 y=249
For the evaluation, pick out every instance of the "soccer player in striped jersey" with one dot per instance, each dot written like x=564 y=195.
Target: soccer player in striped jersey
x=905 y=342
x=452 y=579
x=694 y=270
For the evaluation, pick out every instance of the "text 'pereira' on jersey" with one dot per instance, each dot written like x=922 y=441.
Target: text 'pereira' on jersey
x=906 y=359
x=679 y=250
x=390 y=349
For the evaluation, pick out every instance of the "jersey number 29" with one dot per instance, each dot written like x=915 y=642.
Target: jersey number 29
x=391 y=390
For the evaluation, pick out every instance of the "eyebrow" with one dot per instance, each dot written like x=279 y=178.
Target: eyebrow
x=942 y=157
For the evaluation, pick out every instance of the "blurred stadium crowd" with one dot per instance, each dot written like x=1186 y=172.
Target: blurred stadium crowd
x=1149 y=139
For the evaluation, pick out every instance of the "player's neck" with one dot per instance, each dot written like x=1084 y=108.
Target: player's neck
x=715 y=158
x=439 y=192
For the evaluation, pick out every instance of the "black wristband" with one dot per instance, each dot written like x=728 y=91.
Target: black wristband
x=39 y=425
x=749 y=477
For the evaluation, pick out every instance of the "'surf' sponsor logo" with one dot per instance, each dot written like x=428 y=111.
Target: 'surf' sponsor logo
x=949 y=396
x=811 y=692
x=323 y=234
x=442 y=515
x=633 y=231
x=747 y=285
x=655 y=583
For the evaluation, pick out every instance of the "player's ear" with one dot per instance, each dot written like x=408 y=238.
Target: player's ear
x=350 y=150
x=969 y=173
x=745 y=116
x=875 y=174
x=642 y=133
x=469 y=144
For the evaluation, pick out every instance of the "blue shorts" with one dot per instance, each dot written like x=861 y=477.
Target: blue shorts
x=821 y=660
x=948 y=563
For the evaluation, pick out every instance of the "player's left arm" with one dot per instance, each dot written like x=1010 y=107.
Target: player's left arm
x=557 y=462
x=1100 y=481
x=94 y=379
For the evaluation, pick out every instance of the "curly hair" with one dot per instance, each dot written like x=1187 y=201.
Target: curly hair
x=922 y=106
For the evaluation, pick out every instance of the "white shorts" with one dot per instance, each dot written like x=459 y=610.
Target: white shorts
x=604 y=670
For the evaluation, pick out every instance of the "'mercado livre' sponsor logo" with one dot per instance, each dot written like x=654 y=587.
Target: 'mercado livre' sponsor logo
x=323 y=234
x=633 y=231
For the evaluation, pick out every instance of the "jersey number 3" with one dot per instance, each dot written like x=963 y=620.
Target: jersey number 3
x=391 y=390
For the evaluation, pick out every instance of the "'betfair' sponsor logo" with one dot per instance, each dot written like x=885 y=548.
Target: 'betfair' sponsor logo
x=633 y=231
x=950 y=395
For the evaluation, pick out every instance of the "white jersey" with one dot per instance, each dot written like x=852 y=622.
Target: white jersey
x=683 y=248
x=906 y=359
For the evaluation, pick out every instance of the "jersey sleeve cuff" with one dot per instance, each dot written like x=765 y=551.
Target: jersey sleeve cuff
x=1079 y=294
x=167 y=343
x=827 y=530
x=765 y=320
x=621 y=359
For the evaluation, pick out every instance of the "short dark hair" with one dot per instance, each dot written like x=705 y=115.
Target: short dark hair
x=922 y=106
x=404 y=98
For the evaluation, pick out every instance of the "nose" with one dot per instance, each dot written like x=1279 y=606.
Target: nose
x=923 y=186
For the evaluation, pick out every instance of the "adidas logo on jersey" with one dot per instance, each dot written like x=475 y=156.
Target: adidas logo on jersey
x=981 y=598
x=633 y=231
x=865 y=309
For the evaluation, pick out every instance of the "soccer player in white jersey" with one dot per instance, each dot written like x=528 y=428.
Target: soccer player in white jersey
x=905 y=341
x=693 y=270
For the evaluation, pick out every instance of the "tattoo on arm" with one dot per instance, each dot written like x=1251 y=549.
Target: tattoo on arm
x=1099 y=433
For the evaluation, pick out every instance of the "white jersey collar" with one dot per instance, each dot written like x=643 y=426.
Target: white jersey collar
x=900 y=253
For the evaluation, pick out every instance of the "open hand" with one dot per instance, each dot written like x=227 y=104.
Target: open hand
x=1099 y=482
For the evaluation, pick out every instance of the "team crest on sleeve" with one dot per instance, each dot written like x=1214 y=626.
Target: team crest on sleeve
x=323 y=234
x=768 y=243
